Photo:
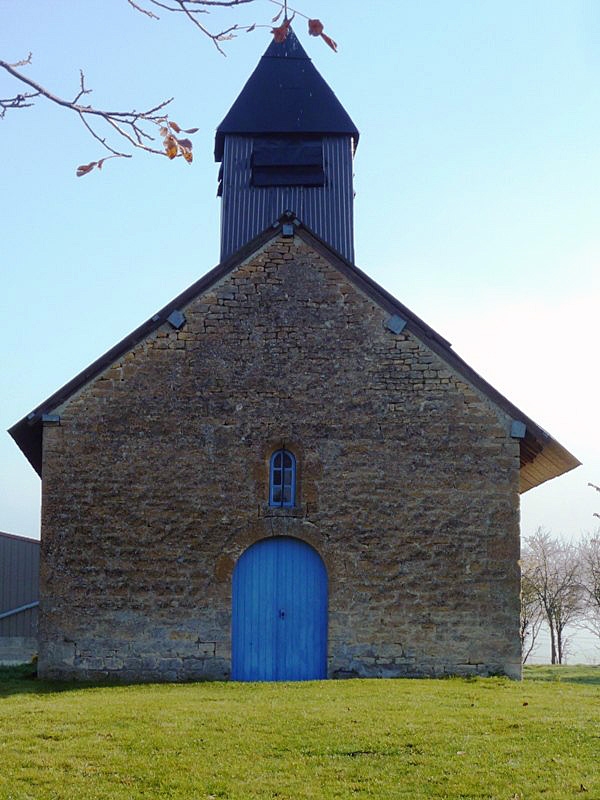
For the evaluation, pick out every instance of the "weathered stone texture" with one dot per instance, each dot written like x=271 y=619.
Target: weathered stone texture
x=156 y=481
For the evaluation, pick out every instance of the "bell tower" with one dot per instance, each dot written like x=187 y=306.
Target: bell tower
x=286 y=145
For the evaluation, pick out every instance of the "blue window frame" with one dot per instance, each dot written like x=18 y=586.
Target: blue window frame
x=282 y=479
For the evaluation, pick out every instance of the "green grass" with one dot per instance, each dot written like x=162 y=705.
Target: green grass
x=417 y=739
x=577 y=674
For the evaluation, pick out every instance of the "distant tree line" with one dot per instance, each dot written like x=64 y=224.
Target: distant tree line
x=560 y=587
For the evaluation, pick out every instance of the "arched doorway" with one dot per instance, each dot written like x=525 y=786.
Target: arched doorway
x=279 y=612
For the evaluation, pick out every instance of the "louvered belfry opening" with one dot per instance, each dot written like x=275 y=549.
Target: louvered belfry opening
x=286 y=145
x=293 y=161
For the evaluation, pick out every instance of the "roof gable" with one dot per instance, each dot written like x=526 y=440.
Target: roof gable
x=542 y=457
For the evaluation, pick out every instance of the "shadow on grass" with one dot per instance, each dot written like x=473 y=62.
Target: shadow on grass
x=562 y=673
x=23 y=679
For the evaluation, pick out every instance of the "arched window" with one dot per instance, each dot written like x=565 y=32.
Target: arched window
x=282 y=479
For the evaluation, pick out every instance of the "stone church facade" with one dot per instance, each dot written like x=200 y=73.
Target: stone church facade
x=160 y=481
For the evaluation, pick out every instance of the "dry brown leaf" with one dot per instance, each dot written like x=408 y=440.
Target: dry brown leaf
x=175 y=127
x=171 y=148
x=280 y=33
x=328 y=40
x=315 y=27
x=85 y=168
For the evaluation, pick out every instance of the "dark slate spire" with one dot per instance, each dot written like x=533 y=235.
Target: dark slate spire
x=286 y=147
x=285 y=95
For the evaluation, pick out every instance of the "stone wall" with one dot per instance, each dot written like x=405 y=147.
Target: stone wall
x=156 y=481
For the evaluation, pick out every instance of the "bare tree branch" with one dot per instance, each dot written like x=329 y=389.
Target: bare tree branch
x=135 y=126
x=128 y=124
x=285 y=7
x=102 y=140
x=18 y=101
x=192 y=8
x=145 y=11
x=82 y=89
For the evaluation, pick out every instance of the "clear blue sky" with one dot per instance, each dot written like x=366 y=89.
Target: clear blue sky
x=477 y=180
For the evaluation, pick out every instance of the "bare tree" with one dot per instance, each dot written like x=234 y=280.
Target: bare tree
x=140 y=129
x=589 y=554
x=532 y=615
x=553 y=567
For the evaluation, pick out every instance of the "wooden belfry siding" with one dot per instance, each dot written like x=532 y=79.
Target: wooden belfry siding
x=327 y=210
x=407 y=481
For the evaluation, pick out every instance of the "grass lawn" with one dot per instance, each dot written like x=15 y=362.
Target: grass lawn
x=484 y=738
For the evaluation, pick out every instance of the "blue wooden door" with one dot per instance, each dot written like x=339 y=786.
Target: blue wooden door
x=279 y=613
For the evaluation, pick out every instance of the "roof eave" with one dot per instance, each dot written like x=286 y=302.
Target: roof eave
x=542 y=457
x=28 y=431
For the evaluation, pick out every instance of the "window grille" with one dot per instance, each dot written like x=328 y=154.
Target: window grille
x=282 y=482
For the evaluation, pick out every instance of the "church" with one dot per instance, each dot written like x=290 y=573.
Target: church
x=284 y=474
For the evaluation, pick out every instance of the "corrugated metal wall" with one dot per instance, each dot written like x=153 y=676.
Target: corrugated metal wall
x=327 y=210
x=19 y=584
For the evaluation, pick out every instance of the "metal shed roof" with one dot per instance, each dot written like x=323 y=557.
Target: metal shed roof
x=285 y=95
x=542 y=457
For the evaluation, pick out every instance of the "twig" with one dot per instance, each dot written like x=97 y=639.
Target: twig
x=102 y=140
x=145 y=11
x=190 y=8
x=287 y=8
x=18 y=101
x=24 y=61
x=82 y=90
